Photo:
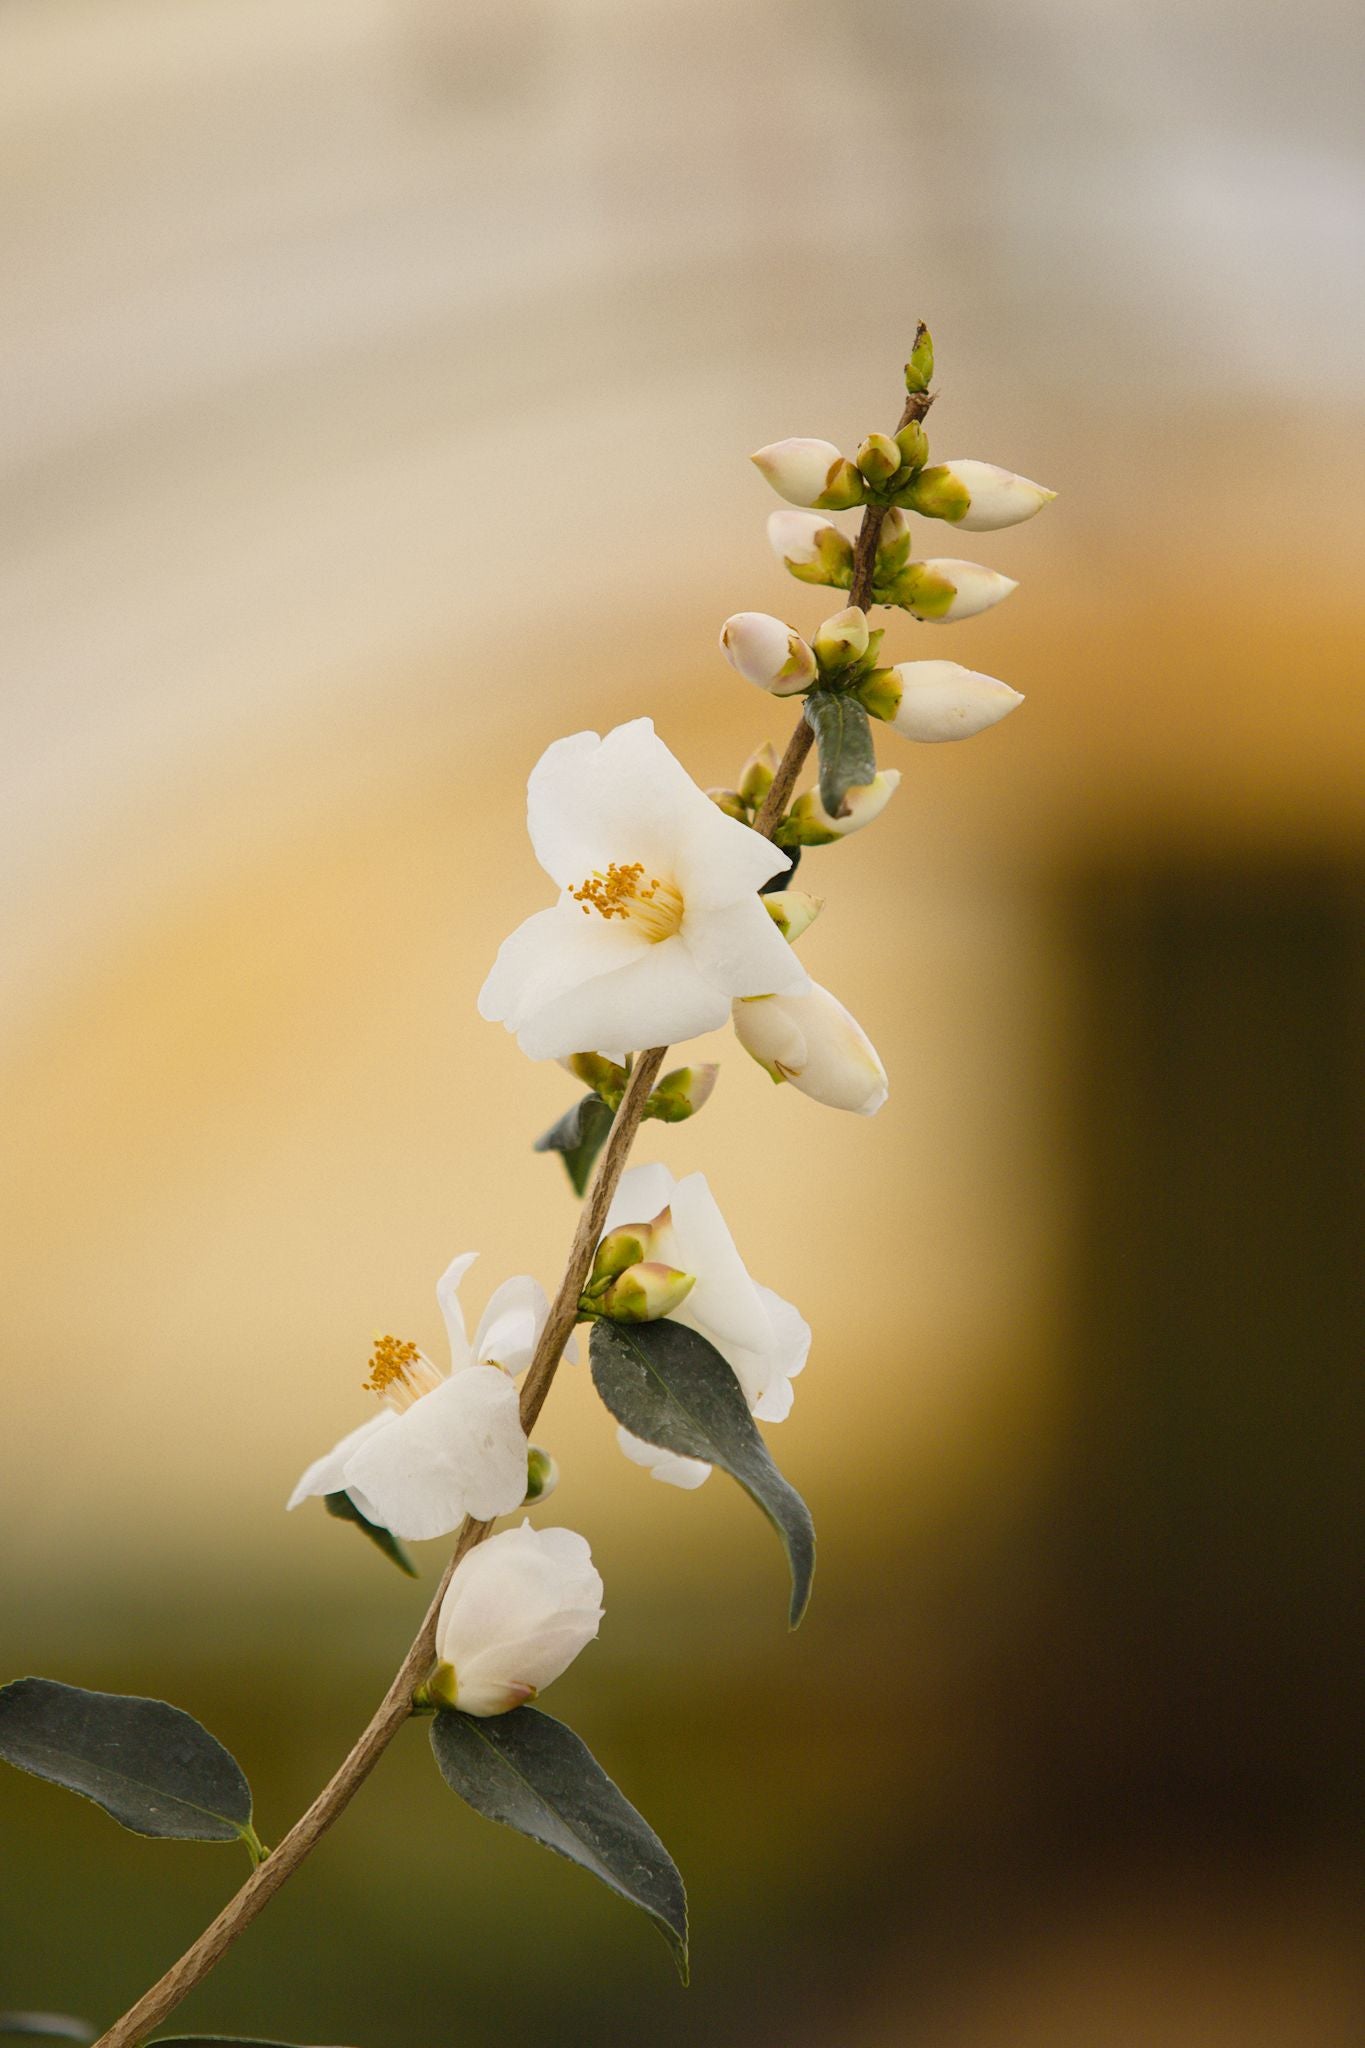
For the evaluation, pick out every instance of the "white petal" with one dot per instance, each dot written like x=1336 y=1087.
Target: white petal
x=665 y=1465
x=716 y=860
x=941 y=700
x=459 y=1450
x=640 y=1195
x=724 y=1303
x=448 y=1296
x=658 y=999
x=623 y=798
x=740 y=950
x=766 y=1375
x=510 y=1326
x=555 y=950
x=327 y=1474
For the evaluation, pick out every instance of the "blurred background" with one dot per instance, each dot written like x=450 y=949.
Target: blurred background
x=379 y=377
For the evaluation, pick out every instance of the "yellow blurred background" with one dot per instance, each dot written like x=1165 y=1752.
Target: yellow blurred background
x=379 y=376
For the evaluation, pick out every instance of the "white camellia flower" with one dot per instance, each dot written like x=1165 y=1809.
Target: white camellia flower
x=812 y=1041
x=767 y=652
x=980 y=497
x=659 y=922
x=518 y=1609
x=941 y=700
x=762 y=1337
x=442 y=1446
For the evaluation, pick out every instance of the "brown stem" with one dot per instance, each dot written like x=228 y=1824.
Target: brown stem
x=396 y=1706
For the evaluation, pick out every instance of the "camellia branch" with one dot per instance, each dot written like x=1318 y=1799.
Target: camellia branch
x=397 y=1704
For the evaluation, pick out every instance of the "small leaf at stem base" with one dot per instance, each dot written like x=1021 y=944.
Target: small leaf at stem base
x=535 y=1775
x=578 y=1137
x=344 y=1508
x=848 y=759
x=151 y=1767
x=666 y=1384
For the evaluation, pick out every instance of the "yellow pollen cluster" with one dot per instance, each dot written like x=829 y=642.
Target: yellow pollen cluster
x=390 y=1361
x=612 y=894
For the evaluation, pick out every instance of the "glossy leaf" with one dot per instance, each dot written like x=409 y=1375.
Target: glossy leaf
x=344 y=1508
x=150 y=1766
x=848 y=759
x=46 y=2026
x=535 y=1775
x=578 y=1137
x=668 y=1385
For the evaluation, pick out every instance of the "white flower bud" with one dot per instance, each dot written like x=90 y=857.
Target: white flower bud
x=944 y=590
x=792 y=911
x=812 y=1041
x=767 y=652
x=978 y=496
x=842 y=639
x=808 y=823
x=813 y=550
x=682 y=1093
x=806 y=472
x=941 y=700
x=517 y=1611
x=542 y=1475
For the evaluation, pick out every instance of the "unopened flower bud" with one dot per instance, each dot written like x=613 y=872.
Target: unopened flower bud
x=597 y=1072
x=767 y=652
x=682 y=1093
x=913 y=443
x=808 y=823
x=807 y=472
x=731 y=802
x=940 y=700
x=620 y=1248
x=919 y=371
x=878 y=458
x=517 y=1611
x=943 y=590
x=813 y=1042
x=792 y=911
x=542 y=1475
x=879 y=692
x=975 y=495
x=893 y=545
x=756 y=776
x=812 y=549
x=842 y=639
x=646 y=1292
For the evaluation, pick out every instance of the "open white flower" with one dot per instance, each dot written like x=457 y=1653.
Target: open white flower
x=658 y=923
x=517 y=1611
x=763 y=1338
x=442 y=1446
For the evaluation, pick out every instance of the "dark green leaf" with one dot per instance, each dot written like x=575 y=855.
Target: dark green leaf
x=848 y=759
x=344 y=1508
x=579 y=1136
x=669 y=1386
x=51 y=2026
x=533 y=1774
x=153 y=1768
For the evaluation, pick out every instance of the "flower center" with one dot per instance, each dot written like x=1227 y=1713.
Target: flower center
x=399 y=1373
x=655 y=907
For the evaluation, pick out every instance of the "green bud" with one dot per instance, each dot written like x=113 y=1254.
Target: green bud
x=893 y=545
x=937 y=494
x=878 y=457
x=842 y=639
x=792 y=911
x=682 y=1093
x=731 y=802
x=756 y=776
x=923 y=590
x=542 y=1475
x=879 y=692
x=913 y=443
x=646 y=1292
x=602 y=1075
x=919 y=371
x=625 y=1246
x=844 y=488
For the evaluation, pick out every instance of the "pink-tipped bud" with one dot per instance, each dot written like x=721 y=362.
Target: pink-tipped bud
x=646 y=1292
x=767 y=652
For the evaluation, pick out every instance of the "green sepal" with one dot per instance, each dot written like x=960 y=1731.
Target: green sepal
x=848 y=759
x=578 y=1137
x=344 y=1508
x=666 y=1384
x=880 y=692
x=533 y=1774
x=152 y=1768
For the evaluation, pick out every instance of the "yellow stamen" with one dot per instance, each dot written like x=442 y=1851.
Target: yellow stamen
x=399 y=1373
x=656 y=906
